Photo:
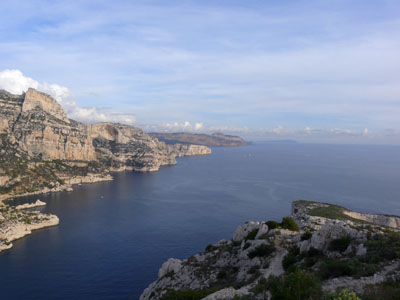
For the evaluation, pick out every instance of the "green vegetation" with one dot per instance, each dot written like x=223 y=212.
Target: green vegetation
x=261 y=251
x=331 y=211
x=247 y=245
x=252 y=234
x=254 y=270
x=32 y=173
x=297 y=285
x=387 y=290
x=347 y=267
x=289 y=223
x=340 y=244
x=306 y=235
x=381 y=247
x=346 y=295
x=292 y=260
x=273 y=224
x=210 y=248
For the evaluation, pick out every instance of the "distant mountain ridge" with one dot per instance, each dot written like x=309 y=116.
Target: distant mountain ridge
x=215 y=139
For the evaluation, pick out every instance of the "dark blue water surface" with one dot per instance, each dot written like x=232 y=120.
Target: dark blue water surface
x=113 y=236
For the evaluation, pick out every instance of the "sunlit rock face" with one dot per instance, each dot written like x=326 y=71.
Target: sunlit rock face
x=37 y=125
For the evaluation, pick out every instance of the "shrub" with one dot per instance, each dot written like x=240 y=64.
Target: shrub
x=291 y=258
x=339 y=244
x=298 y=285
x=261 y=251
x=252 y=234
x=247 y=245
x=346 y=295
x=350 y=267
x=387 y=290
x=210 y=248
x=261 y=287
x=272 y=224
x=306 y=235
x=289 y=223
x=383 y=247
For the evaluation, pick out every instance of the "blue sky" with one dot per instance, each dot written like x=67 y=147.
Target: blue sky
x=311 y=70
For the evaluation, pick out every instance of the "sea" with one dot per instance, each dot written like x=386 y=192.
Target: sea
x=114 y=236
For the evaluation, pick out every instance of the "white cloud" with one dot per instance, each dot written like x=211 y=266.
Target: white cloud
x=15 y=82
x=176 y=127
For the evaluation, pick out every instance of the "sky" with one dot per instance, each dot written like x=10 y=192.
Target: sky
x=312 y=70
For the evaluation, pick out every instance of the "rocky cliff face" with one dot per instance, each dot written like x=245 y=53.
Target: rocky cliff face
x=325 y=252
x=35 y=127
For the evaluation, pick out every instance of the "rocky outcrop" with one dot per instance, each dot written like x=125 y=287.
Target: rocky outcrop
x=31 y=205
x=215 y=139
x=315 y=214
x=382 y=220
x=37 y=132
x=180 y=150
x=344 y=252
x=16 y=224
x=35 y=100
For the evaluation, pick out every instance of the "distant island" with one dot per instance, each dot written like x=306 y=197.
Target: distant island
x=213 y=140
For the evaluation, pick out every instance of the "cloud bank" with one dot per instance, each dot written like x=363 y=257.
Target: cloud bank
x=14 y=81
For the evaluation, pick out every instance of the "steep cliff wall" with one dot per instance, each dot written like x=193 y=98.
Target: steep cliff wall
x=35 y=128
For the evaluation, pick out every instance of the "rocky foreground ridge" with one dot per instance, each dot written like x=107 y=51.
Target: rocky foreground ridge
x=215 y=139
x=42 y=150
x=322 y=251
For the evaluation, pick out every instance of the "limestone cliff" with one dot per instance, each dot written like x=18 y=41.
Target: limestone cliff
x=314 y=254
x=35 y=133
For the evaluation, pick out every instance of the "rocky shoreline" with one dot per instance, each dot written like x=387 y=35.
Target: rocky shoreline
x=42 y=150
x=326 y=245
x=16 y=223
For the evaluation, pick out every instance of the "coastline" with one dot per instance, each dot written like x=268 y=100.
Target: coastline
x=67 y=187
x=317 y=241
x=16 y=224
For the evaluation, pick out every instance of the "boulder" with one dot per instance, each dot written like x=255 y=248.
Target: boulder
x=243 y=231
x=172 y=265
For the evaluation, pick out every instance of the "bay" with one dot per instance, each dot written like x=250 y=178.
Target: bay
x=114 y=236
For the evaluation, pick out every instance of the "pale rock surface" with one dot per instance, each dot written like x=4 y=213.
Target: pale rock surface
x=31 y=205
x=382 y=220
x=243 y=231
x=172 y=265
x=224 y=294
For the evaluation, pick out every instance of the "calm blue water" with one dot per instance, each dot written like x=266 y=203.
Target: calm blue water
x=114 y=236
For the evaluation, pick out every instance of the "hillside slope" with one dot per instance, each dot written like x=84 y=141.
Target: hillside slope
x=315 y=254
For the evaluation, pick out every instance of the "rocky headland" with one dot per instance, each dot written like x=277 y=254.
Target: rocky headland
x=16 y=223
x=213 y=140
x=321 y=251
x=42 y=150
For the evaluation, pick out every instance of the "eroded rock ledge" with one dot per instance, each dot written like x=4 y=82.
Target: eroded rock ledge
x=325 y=245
